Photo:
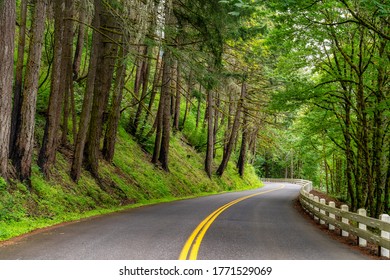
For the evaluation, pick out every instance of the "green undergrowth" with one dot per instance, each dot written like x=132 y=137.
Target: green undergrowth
x=131 y=181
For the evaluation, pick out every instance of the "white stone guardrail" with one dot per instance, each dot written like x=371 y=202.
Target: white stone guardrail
x=348 y=222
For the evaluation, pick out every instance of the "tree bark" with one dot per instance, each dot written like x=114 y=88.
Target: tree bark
x=164 y=113
x=22 y=156
x=166 y=109
x=210 y=132
x=216 y=122
x=68 y=87
x=233 y=134
x=157 y=141
x=19 y=74
x=145 y=73
x=188 y=99
x=114 y=115
x=104 y=73
x=51 y=138
x=243 y=150
x=176 y=117
x=7 y=29
x=79 y=45
x=88 y=97
x=156 y=79
x=140 y=65
x=198 y=107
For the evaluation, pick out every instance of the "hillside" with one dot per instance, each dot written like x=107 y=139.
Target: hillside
x=131 y=181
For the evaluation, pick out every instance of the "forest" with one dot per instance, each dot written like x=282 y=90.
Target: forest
x=261 y=89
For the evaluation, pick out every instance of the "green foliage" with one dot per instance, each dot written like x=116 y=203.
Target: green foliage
x=3 y=183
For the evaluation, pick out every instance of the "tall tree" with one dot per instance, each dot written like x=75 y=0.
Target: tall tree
x=18 y=86
x=210 y=132
x=7 y=28
x=233 y=134
x=166 y=109
x=114 y=113
x=163 y=119
x=244 y=144
x=176 y=116
x=23 y=150
x=108 y=53
x=85 y=116
x=59 y=79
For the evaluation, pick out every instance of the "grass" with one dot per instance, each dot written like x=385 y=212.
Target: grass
x=131 y=181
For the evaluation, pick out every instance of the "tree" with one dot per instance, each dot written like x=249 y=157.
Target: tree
x=59 y=79
x=107 y=55
x=114 y=113
x=163 y=118
x=88 y=96
x=23 y=150
x=244 y=144
x=233 y=134
x=18 y=86
x=210 y=131
x=7 y=28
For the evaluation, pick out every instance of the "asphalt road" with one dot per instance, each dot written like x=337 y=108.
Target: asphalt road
x=257 y=224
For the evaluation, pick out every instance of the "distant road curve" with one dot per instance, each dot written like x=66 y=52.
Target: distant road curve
x=260 y=224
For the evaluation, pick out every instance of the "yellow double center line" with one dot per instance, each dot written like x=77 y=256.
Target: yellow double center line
x=192 y=245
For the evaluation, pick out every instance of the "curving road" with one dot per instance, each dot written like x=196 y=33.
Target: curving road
x=256 y=224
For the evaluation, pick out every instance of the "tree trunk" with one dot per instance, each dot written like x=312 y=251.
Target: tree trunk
x=22 y=156
x=229 y=120
x=156 y=79
x=79 y=44
x=157 y=141
x=166 y=109
x=380 y=125
x=198 y=107
x=216 y=122
x=137 y=87
x=349 y=156
x=7 y=29
x=104 y=73
x=50 y=143
x=233 y=134
x=88 y=97
x=188 y=100
x=19 y=74
x=210 y=132
x=145 y=72
x=114 y=115
x=164 y=113
x=68 y=87
x=243 y=150
x=176 y=117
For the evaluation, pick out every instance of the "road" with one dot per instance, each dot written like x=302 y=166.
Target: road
x=257 y=224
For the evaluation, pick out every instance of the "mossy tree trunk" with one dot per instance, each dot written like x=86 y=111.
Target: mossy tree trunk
x=23 y=150
x=7 y=29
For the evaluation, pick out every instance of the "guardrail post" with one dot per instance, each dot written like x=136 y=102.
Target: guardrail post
x=385 y=252
x=316 y=199
x=322 y=201
x=344 y=220
x=311 y=196
x=310 y=187
x=362 y=242
x=332 y=216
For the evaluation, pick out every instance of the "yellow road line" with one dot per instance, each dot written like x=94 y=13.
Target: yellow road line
x=192 y=245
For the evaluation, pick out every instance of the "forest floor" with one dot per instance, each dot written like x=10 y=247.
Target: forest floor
x=352 y=241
